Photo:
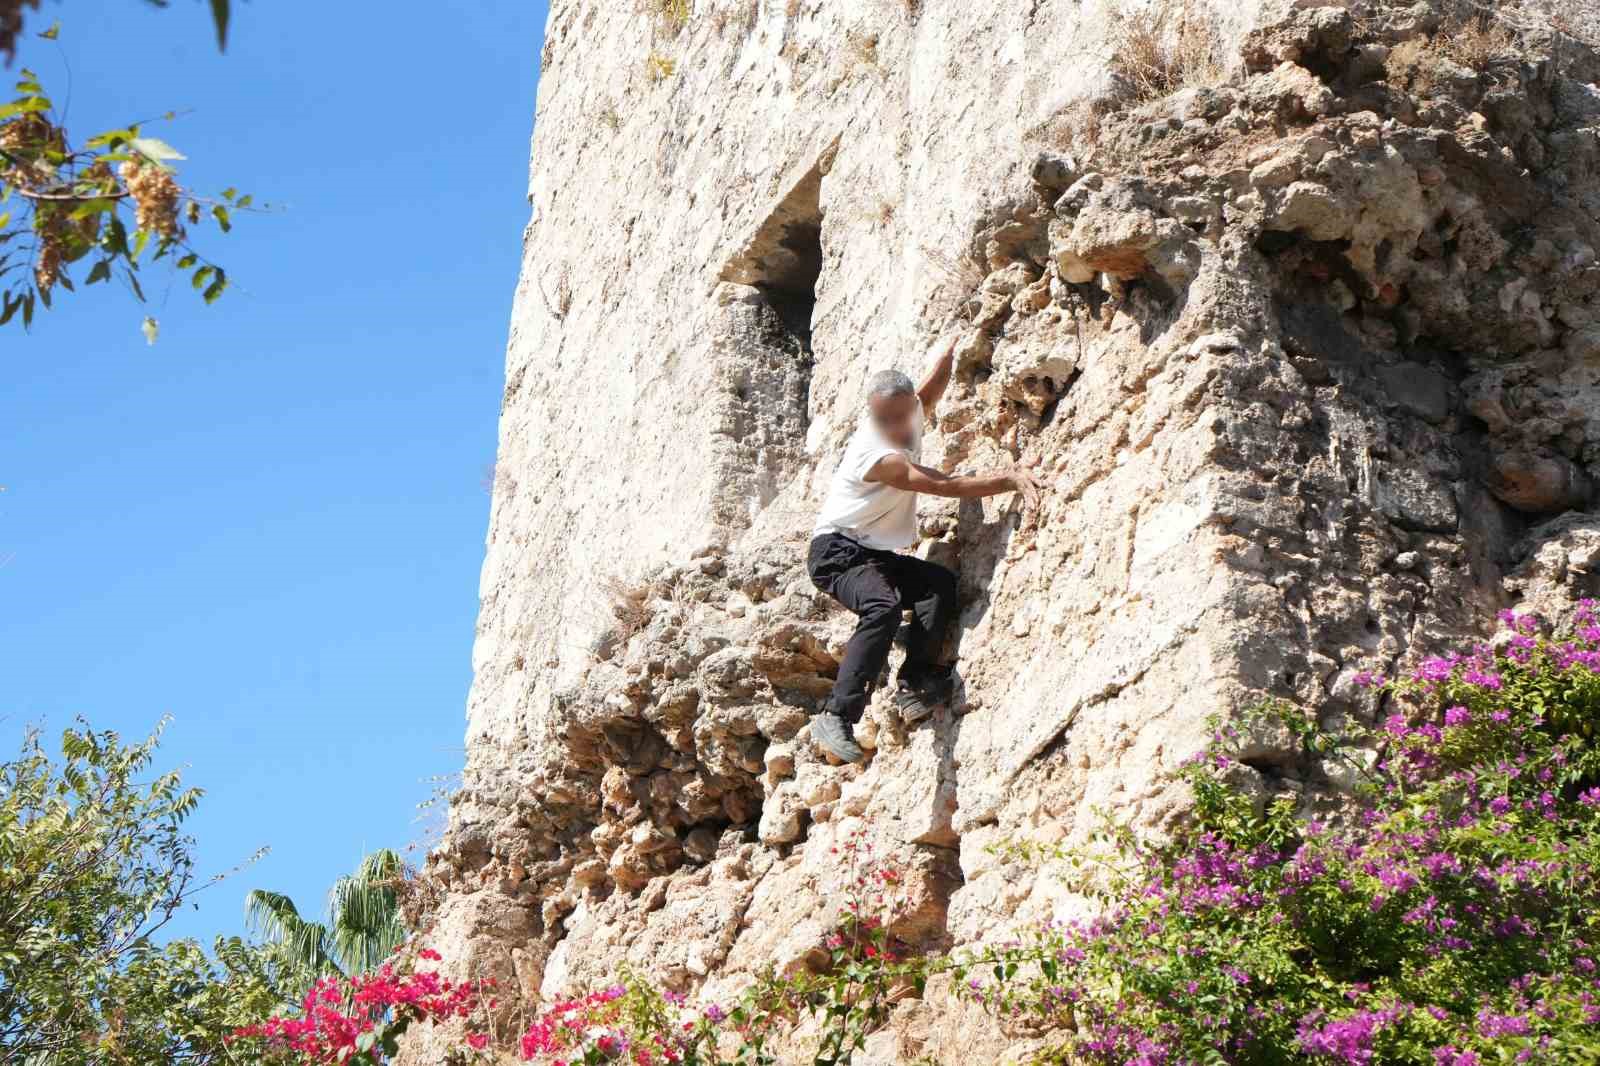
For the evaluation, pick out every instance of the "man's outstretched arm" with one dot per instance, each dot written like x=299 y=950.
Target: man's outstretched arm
x=902 y=473
x=933 y=386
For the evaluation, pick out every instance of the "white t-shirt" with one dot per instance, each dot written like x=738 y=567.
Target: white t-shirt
x=869 y=512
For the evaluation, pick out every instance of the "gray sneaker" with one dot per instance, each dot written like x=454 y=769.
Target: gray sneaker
x=833 y=735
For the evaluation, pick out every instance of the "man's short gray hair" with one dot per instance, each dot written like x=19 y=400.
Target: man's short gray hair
x=888 y=383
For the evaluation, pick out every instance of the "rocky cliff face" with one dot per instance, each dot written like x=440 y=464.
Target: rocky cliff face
x=1304 y=339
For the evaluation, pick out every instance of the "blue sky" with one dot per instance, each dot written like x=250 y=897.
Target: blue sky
x=270 y=524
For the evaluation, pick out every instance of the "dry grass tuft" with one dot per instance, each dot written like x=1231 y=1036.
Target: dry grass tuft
x=658 y=68
x=1405 y=60
x=741 y=15
x=959 y=277
x=418 y=894
x=558 y=308
x=862 y=49
x=1081 y=126
x=629 y=605
x=1161 y=50
x=1476 y=42
x=1153 y=53
x=673 y=13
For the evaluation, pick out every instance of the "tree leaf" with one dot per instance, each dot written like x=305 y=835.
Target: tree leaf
x=140 y=239
x=101 y=271
x=116 y=238
x=155 y=149
x=220 y=213
x=219 y=15
x=151 y=329
x=201 y=275
x=91 y=207
x=22 y=107
x=217 y=288
x=53 y=32
x=112 y=138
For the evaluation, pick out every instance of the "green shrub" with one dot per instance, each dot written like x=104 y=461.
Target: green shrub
x=94 y=863
x=1451 y=920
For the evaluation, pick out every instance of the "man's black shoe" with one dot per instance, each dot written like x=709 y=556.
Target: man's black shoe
x=913 y=704
x=922 y=696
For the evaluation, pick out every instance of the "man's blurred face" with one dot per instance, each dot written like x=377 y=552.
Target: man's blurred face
x=895 y=417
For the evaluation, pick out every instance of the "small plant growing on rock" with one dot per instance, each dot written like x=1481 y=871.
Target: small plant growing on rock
x=958 y=279
x=1162 y=49
x=738 y=15
x=1478 y=41
x=659 y=68
x=674 y=13
x=868 y=968
x=863 y=49
x=866 y=971
x=1475 y=43
x=629 y=605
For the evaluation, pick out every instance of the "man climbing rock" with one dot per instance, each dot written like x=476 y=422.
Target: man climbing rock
x=856 y=556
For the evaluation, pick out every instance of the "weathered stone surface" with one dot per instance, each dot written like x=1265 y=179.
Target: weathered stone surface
x=1538 y=482
x=1420 y=390
x=1305 y=361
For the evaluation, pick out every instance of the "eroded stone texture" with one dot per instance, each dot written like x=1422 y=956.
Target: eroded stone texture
x=1307 y=360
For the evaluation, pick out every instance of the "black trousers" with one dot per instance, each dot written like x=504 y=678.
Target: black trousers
x=878 y=586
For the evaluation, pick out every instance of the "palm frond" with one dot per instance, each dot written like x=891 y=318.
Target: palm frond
x=302 y=945
x=364 y=912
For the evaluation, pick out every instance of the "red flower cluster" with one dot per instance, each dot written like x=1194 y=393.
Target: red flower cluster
x=338 y=1013
x=566 y=1022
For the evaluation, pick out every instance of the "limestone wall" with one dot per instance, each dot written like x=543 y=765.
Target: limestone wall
x=1305 y=353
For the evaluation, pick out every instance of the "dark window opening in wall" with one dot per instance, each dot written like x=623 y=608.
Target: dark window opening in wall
x=784 y=257
x=794 y=296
